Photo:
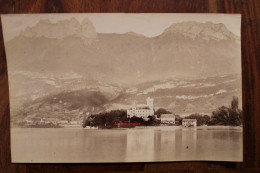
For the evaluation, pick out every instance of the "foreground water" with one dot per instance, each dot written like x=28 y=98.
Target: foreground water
x=125 y=145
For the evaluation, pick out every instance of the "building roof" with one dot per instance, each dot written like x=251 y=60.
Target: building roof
x=188 y=120
x=145 y=107
x=167 y=116
x=138 y=107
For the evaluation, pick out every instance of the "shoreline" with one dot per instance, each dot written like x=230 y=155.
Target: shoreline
x=145 y=127
x=220 y=127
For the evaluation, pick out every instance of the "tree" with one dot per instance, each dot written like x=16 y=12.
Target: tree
x=235 y=113
x=161 y=111
x=227 y=116
x=152 y=121
x=201 y=120
x=234 y=103
x=135 y=119
x=234 y=118
x=105 y=119
x=178 y=119
x=206 y=119
x=85 y=122
x=220 y=116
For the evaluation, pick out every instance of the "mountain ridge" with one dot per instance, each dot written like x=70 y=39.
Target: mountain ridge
x=180 y=96
x=128 y=57
x=207 y=30
x=189 y=28
x=61 y=29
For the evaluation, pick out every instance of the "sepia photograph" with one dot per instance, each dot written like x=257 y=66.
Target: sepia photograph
x=124 y=87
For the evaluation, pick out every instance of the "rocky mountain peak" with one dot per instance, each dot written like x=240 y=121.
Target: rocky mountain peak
x=205 y=31
x=61 y=29
x=72 y=21
x=87 y=28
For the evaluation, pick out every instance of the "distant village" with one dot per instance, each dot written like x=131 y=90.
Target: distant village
x=50 y=122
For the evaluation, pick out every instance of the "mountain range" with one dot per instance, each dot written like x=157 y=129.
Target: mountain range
x=68 y=59
x=188 y=49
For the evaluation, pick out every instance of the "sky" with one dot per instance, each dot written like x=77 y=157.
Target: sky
x=147 y=24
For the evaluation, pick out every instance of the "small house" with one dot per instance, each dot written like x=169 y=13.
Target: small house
x=167 y=119
x=189 y=123
x=29 y=122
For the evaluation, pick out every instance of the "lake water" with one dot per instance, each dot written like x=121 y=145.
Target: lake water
x=125 y=145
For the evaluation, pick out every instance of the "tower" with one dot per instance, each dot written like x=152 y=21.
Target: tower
x=150 y=102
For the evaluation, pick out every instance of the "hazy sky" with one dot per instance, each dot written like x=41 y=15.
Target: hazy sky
x=148 y=24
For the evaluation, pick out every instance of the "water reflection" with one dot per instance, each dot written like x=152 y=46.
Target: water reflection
x=188 y=144
x=140 y=145
x=128 y=145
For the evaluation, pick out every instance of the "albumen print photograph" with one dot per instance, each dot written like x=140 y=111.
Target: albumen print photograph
x=118 y=87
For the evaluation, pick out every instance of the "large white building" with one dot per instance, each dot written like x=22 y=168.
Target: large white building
x=141 y=110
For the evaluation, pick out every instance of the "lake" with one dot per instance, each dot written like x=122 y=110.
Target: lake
x=125 y=145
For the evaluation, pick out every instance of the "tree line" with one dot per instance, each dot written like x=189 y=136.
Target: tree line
x=227 y=116
x=108 y=119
